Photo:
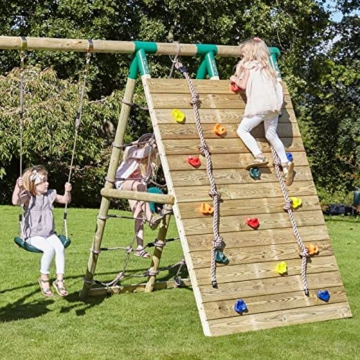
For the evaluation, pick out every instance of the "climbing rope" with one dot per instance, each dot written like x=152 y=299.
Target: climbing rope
x=217 y=243
x=303 y=250
x=77 y=124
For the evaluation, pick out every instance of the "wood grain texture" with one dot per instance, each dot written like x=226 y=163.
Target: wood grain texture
x=279 y=318
x=272 y=300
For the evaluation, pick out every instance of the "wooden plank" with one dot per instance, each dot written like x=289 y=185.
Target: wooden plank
x=213 y=116
x=238 y=223
x=249 y=255
x=261 y=287
x=197 y=177
x=189 y=131
x=226 y=146
x=243 y=191
x=207 y=101
x=247 y=206
x=275 y=302
x=229 y=161
x=180 y=86
x=263 y=270
x=258 y=238
x=255 y=322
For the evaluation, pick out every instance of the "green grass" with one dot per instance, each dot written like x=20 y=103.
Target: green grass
x=161 y=325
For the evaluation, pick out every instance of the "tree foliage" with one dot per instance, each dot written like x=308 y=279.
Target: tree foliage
x=320 y=63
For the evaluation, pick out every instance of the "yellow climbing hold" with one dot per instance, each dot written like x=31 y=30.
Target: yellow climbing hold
x=295 y=202
x=281 y=268
x=178 y=115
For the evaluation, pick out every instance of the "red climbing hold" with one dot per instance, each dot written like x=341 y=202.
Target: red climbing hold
x=194 y=161
x=253 y=222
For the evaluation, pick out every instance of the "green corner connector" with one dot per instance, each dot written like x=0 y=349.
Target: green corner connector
x=148 y=47
x=207 y=66
x=274 y=54
x=142 y=63
x=133 y=70
x=204 y=49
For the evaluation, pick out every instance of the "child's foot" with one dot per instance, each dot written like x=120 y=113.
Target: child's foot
x=288 y=170
x=140 y=252
x=45 y=287
x=60 y=288
x=155 y=221
x=258 y=161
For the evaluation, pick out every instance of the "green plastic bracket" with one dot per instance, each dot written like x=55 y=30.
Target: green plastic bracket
x=274 y=54
x=207 y=66
x=133 y=70
x=142 y=63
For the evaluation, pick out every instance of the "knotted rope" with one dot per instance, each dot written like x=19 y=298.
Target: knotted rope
x=304 y=254
x=217 y=243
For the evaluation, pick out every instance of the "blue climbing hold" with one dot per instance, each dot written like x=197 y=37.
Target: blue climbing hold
x=324 y=295
x=289 y=156
x=240 y=306
x=255 y=173
x=220 y=257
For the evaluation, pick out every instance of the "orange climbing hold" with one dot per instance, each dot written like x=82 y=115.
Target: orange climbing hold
x=219 y=130
x=194 y=161
x=206 y=209
x=178 y=115
x=312 y=249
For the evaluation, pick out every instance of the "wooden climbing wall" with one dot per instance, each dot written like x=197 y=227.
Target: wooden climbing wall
x=272 y=300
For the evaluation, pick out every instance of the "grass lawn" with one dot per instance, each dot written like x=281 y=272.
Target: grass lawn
x=161 y=325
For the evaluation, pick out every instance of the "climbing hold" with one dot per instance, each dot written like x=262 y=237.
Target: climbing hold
x=312 y=249
x=281 y=268
x=219 y=130
x=324 y=295
x=295 y=202
x=206 y=209
x=220 y=257
x=253 y=222
x=255 y=173
x=194 y=161
x=289 y=156
x=178 y=115
x=240 y=306
x=234 y=88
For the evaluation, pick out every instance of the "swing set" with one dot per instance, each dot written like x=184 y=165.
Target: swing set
x=250 y=268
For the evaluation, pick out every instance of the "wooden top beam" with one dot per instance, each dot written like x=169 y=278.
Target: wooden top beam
x=111 y=46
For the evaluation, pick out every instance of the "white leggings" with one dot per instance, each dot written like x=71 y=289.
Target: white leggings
x=49 y=246
x=270 y=124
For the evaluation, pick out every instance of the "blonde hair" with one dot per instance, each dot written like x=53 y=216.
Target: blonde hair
x=149 y=163
x=255 y=49
x=29 y=181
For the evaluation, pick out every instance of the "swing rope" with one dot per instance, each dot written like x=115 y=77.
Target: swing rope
x=217 y=243
x=77 y=124
x=21 y=123
x=304 y=254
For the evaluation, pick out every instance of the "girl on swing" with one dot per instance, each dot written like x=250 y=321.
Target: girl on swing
x=140 y=162
x=38 y=229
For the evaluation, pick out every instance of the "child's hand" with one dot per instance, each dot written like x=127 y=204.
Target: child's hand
x=20 y=182
x=234 y=79
x=68 y=187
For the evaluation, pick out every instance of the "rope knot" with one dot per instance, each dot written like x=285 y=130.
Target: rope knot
x=204 y=149
x=287 y=205
x=218 y=243
x=304 y=253
x=195 y=99
x=214 y=193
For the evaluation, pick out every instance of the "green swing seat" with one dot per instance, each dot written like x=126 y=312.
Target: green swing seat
x=24 y=245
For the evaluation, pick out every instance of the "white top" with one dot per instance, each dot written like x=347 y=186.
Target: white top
x=263 y=93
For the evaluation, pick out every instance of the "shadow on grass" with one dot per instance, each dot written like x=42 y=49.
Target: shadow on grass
x=18 y=310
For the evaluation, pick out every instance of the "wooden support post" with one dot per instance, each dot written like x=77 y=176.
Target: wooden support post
x=137 y=195
x=158 y=250
x=105 y=202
